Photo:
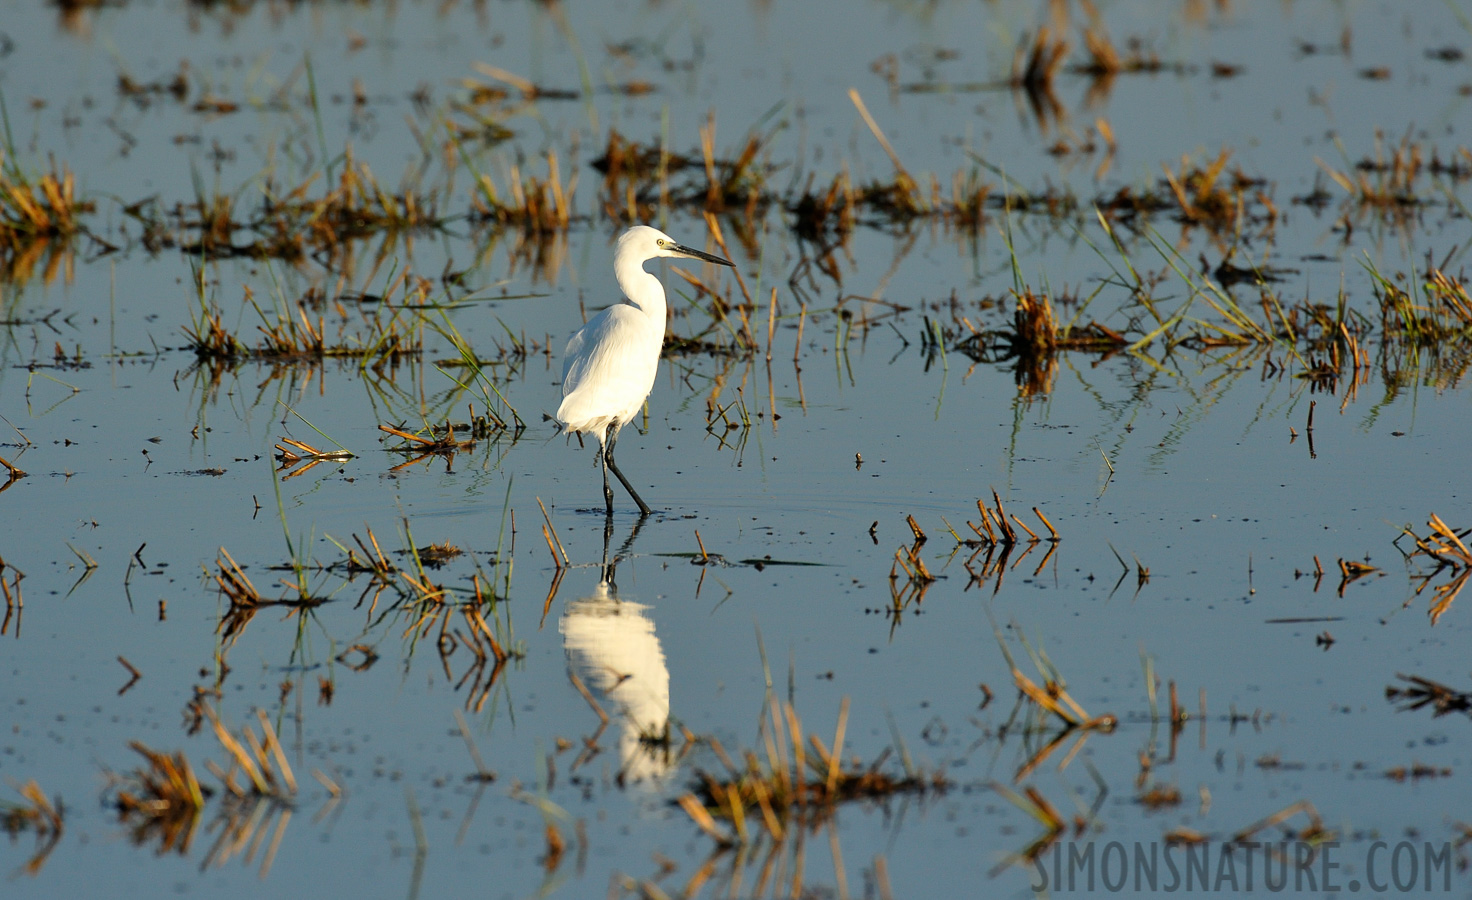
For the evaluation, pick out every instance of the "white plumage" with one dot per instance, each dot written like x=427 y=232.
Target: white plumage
x=611 y=361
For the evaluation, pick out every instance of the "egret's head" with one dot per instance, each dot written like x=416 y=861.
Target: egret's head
x=642 y=242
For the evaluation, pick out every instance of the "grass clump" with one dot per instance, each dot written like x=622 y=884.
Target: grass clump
x=1443 y=547
x=160 y=800
x=536 y=206
x=798 y=783
x=36 y=814
x=44 y=207
x=300 y=332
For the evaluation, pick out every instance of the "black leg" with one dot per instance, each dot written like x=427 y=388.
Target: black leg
x=608 y=462
x=607 y=566
x=607 y=491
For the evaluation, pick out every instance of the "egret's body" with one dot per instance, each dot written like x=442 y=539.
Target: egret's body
x=611 y=361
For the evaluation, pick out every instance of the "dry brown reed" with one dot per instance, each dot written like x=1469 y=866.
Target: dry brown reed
x=1418 y=692
x=431 y=610
x=534 y=205
x=389 y=333
x=160 y=800
x=234 y=583
x=1313 y=833
x=297 y=451
x=1386 y=184
x=373 y=561
x=37 y=814
x=21 y=255
x=1203 y=197
x=825 y=214
x=797 y=783
x=1035 y=66
x=636 y=177
x=1052 y=696
x=14 y=602
x=443 y=440
x=1443 y=546
x=260 y=761
x=995 y=539
x=1031 y=339
x=736 y=183
x=47 y=207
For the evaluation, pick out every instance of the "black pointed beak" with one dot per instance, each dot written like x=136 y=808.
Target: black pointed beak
x=700 y=254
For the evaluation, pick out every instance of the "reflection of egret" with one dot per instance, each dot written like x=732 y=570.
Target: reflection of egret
x=611 y=645
x=611 y=361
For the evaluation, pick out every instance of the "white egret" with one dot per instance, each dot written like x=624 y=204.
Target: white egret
x=611 y=361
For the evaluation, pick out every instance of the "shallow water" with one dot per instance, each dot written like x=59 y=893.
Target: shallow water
x=1196 y=464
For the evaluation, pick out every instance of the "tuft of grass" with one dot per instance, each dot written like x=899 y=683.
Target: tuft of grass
x=37 y=814
x=161 y=800
x=259 y=761
x=1384 y=183
x=1417 y=692
x=795 y=783
x=1204 y=197
x=1436 y=310
x=300 y=332
x=1444 y=547
x=533 y=205
x=823 y=214
x=234 y=583
x=44 y=207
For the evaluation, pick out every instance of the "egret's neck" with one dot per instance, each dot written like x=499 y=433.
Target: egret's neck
x=643 y=290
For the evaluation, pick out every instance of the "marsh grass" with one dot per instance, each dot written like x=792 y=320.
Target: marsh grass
x=429 y=610
x=1435 y=310
x=290 y=223
x=1443 y=547
x=162 y=802
x=373 y=561
x=535 y=206
x=1416 y=692
x=1423 y=329
x=299 y=331
x=39 y=217
x=14 y=601
x=44 y=207
x=795 y=782
x=297 y=451
x=38 y=814
x=1204 y=197
x=1385 y=183
x=640 y=181
x=1104 y=61
x=825 y=213
x=1035 y=67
